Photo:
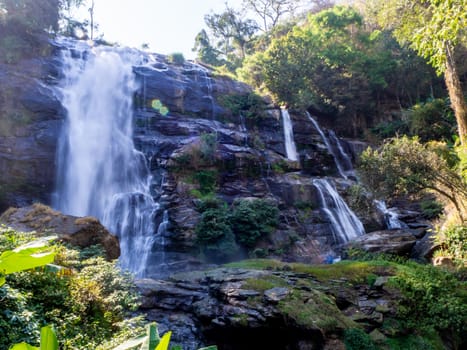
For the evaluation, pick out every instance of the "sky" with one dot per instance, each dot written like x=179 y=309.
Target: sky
x=168 y=26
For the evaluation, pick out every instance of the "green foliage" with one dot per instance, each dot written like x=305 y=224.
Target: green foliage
x=48 y=341
x=232 y=33
x=86 y=301
x=176 y=58
x=252 y=220
x=406 y=166
x=221 y=229
x=25 y=257
x=432 y=299
x=453 y=241
x=355 y=271
x=357 y=199
x=331 y=63
x=24 y=22
x=413 y=342
x=206 y=180
x=357 y=339
x=431 y=209
x=208 y=146
x=432 y=120
x=249 y=105
x=152 y=341
x=394 y=128
x=198 y=155
x=214 y=234
x=431 y=26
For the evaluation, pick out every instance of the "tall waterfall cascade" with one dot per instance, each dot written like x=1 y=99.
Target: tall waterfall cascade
x=346 y=226
x=344 y=223
x=100 y=173
x=290 y=148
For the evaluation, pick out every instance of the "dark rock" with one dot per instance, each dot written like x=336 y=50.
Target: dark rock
x=274 y=295
x=399 y=242
x=78 y=231
x=425 y=247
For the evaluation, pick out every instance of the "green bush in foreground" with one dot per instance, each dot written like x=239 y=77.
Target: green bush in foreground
x=86 y=301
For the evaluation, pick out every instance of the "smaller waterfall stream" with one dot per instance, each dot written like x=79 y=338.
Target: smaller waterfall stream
x=290 y=148
x=342 y=160
x=390 y=215
x=345 y=224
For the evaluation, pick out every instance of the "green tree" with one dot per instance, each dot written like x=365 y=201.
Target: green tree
x=331 y=62
x=232 y=32
x=271 y=11
x=436 y=30
x=404 y=166
x=206 y=53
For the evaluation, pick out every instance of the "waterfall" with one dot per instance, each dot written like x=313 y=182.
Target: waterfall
x=100 y=173
x=334 y=146
x=344 y=223
x=390 y=215
x=290 y=148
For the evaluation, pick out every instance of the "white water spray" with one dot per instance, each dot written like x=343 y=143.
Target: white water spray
x=290 y=148
x=100 y=173
x=344 y=223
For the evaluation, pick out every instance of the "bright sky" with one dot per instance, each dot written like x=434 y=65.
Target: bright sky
x=168 y=26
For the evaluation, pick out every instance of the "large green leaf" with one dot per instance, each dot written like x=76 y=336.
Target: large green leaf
x=23 y=346
x=25 y=257
x=48 y=339
x=12 y=261
x=164 y=342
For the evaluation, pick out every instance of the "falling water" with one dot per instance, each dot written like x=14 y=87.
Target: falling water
x=290 y=148
x=342 y=160
x=344 y=223
x=100 y=173
x=390 y=215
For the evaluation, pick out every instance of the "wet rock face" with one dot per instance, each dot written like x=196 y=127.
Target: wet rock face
x=186 y=121
x=31 y=115
x=81 y=232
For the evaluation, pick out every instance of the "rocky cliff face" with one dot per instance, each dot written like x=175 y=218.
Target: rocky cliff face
x=189 y=122
x=30 y=119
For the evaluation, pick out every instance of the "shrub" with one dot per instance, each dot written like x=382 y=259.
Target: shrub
x=176 y=58
x=390 y=129
x=432 y=120
x=253 y=219
x=453 y=241
x=86 y=303
x=249 y=105
x=433 y=299
x=356 y=339
x=206 y=180
x=431 y=209
x=214 y=234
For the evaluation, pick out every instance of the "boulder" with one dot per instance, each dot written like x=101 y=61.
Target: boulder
x=77 y=231
x=399 y=242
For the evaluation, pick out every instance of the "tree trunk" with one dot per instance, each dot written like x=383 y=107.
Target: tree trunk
x=456 y=95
